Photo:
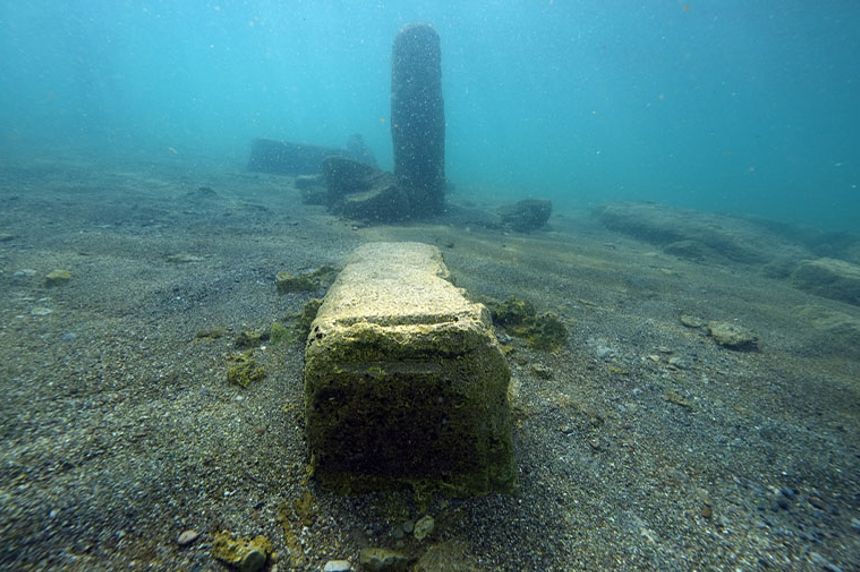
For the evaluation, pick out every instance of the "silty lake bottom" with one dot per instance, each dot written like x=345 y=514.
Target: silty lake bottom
x=643 y=442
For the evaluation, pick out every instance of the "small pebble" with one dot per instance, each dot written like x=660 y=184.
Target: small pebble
x=817 y=503
x=424 y=527
x=337 y=566
x=186 y=537
x=788 y=492
x=41 y=311
x=855 y=524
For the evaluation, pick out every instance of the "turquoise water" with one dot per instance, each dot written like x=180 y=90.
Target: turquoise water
x=746 y=107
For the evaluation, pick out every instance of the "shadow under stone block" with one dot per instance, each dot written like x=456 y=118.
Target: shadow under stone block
x=418 y=117
x=405 y=383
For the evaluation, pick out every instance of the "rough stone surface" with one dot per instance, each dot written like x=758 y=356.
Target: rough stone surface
x=418 y=117
x=830 y=278
x=526 y=215
x=405 y=383
x=287 y=158
x=337 y=566
x=732 y=336
x=383 y=560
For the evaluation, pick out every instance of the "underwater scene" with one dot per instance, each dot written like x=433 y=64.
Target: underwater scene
x=524 y=285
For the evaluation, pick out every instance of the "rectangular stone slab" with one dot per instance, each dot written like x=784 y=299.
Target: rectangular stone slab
x=405 y=383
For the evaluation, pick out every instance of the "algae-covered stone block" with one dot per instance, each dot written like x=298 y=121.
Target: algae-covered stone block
x=405 y=383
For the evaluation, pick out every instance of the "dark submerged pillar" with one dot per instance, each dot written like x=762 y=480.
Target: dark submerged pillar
x=418 y=118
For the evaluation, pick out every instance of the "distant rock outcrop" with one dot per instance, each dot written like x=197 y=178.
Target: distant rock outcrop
x=830 y=278
x=286 y=158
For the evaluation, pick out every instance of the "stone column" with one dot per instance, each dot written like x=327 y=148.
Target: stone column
x=418 y=117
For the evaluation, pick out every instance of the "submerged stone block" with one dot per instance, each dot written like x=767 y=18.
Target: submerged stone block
x=405 y=383
x=418 y=117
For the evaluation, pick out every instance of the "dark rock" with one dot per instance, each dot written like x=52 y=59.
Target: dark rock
x=527 y=215
x=732 y=336
x=418 y=118
x=700 y=236
x=285 y=158
x=383 y=560
x=361 y=192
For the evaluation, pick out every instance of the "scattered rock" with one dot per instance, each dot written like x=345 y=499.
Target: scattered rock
x=527 y=215
x=697 y=235
x=692 y=321
x=830 y=278
x=424 y=527
x=248 y=339
x=183 y=258
x=337 y=566
x=732 y=336
x=211 y=333
x=201 y=194
x=306 y=282
x=447 y=557
x=41 y=311
x=6 y=237
x=24 y=273
x=362 y=192
x=383 y=560
x=57 y=277
x=186 y=537
x=541 y=371
x=519 y=318
x=673 y=396
x=248 y=555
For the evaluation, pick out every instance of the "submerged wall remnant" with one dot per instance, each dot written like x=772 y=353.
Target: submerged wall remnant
x=405 y=383
x=418 y=117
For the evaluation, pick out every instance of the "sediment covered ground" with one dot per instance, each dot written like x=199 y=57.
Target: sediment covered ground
x=641 y=443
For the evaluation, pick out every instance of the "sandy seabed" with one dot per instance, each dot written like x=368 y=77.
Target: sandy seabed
x=641 y=444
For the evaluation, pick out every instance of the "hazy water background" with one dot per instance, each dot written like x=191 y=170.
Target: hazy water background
x=739 y=106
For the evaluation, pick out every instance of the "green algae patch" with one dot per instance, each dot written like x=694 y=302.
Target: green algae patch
x=405 y=384
x=248 y=339
x=247 y=555
x=300 y=323
x=306 y=282
x=208 y=334
x=520 y=318
x=279 y=333
x=243 y=370
x=291 y=539
x=57 y=277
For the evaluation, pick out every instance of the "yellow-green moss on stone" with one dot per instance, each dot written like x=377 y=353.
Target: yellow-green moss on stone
x=405 y=383
x=248 y=555
x=57 y=277
x=243 y=370
x=306 y=282
x=520 y=318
